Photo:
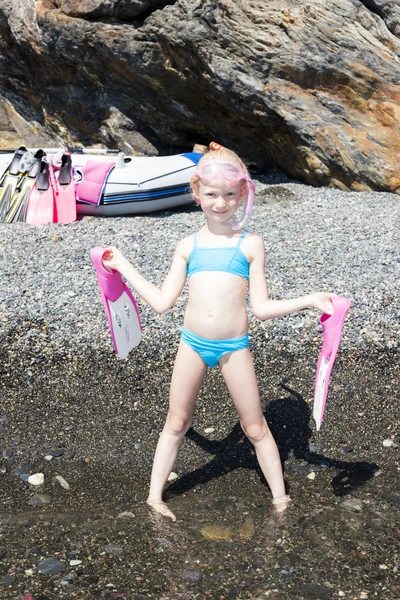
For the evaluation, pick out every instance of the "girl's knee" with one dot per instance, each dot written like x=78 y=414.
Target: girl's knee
x=255 y=432
x=177 y=425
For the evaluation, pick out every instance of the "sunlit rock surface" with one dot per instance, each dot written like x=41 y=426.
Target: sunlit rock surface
x=310 y=87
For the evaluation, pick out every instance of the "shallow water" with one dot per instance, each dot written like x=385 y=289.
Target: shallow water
x=338 y=538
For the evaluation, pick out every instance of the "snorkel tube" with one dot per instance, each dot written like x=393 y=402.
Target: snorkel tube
x=239 y=222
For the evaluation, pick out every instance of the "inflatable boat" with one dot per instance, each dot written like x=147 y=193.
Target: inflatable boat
x=111 y=184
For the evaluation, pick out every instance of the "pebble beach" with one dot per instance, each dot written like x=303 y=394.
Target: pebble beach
x=71 y=409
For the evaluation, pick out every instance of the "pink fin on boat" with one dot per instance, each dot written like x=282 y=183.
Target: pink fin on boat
x=40 y=209
x=91 y=179
x=332 y=326
x=65 y=197
x=120 y=306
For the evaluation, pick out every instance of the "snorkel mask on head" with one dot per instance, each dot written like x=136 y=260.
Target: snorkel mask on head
x=210 y=170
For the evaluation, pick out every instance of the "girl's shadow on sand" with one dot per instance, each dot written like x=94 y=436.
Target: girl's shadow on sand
x=289 y=421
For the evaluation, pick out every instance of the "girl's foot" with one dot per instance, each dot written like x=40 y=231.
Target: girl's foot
x=280 y=503
x=161 y=508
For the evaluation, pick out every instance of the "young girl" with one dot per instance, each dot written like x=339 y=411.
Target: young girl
x=222 y=262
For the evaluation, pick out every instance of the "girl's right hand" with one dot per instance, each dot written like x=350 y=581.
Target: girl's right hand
x=112 y=259
x=323 y=301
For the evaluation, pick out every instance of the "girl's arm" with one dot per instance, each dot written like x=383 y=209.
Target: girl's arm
x=262 y=306
x=159 y=298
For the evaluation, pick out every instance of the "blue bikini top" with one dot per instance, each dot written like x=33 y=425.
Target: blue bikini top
x=228 y=259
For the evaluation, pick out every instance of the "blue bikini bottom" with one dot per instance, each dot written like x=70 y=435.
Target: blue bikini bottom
x=212 y=350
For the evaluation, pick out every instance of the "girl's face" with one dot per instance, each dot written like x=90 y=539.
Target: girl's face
x=220 y=200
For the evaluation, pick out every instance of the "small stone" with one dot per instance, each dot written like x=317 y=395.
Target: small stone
x=389 y=444
x=246 y=531
x=51 y=566
x=191 y=575
x=59 y=452
x=36 y=479
x=311 y=475
x=363 y=595
x=217 y=533
x=39 y=500
x=298 y=469
x=113 y=549
x=75 y=562
x=21 y=470
x=209 y=430
x=28 y=572
x=352 y=504
x=7 y=581
x=61 y=481
x=138 y=446
x=172 y=476
x=341 y=594
x=48 y=457
x=126 y=515
x=383 y=567
x=163 y=543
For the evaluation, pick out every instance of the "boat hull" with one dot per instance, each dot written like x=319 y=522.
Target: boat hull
x=133 y=184
x=135 y=207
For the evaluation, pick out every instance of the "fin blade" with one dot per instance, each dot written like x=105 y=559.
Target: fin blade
x=65 y=195
x=40 y=206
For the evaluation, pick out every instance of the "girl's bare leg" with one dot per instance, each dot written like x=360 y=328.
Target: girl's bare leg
x=187 y=377
x=238 y=371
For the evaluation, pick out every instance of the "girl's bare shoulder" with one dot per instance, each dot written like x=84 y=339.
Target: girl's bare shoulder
x=253 y=245
x=185 y=246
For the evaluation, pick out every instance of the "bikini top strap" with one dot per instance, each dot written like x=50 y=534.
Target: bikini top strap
x=240 y=240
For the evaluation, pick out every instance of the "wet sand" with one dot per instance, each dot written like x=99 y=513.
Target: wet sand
x=339 y=538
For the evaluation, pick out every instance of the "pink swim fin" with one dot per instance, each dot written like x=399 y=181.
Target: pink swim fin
x=40 y=208
x=65 y=197
x=120 y=306
x=332 y=326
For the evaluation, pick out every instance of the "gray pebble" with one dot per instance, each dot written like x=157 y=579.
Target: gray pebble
x=113 y=549
x=51 y=566
x=39 y=500
x=191 y=576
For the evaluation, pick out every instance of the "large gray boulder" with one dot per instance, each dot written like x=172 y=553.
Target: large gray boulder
x=310 y=87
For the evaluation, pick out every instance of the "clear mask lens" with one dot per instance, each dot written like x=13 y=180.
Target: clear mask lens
x=213 y=169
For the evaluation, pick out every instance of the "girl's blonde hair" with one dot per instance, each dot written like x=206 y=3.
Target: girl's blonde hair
x=221 y=154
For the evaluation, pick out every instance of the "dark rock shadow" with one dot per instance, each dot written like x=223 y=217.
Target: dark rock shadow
x=289 y=421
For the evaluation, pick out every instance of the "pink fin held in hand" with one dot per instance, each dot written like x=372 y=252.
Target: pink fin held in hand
x=332 y=326
x=120 y=306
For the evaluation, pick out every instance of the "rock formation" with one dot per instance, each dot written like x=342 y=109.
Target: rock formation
x=312 y=88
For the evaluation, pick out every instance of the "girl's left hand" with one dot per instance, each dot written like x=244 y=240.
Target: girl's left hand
x=322 y=301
